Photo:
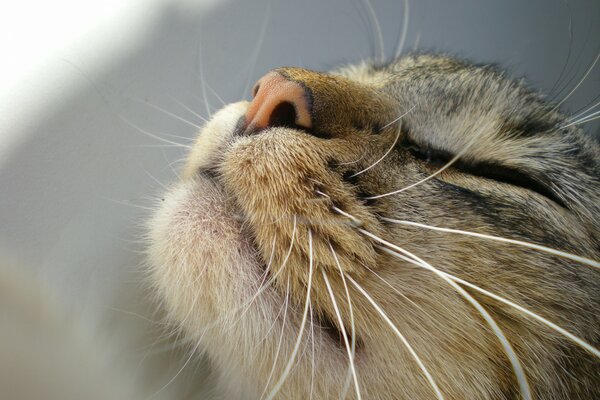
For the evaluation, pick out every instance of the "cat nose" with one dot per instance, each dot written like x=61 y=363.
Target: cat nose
x=278 y=101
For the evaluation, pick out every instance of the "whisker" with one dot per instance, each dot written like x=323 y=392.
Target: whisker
x=430 y=379
x=404 y=30
x=312 y=340
x=259 y=43
x=351 y=312
x=579 y=83
x=575 y=339
x=167 y=112
x=417 y=41
x=170 y=164
x=214 y=92
x=549 y=250
x=162 y=185
x=436 y=173
x=569 y=335
x=202 y=81
x=514 y=360
x=583 y=112
x=246 y=305
x=567 y=59
x=391 y=147
x=262 y=286
x=355 y=220
x=194 y=113
x=125 y=203
x=274 y=276
x=162 y=146
x=134 y=314
x=584 y=120
x=185 y=364
x=351 y=162
x=398 y=292
x=377 y=28
x=344 y=335
x=322 y=194
x=288 y=367
x=145 y=132
x=285 y=309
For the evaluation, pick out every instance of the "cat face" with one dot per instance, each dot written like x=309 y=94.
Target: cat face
x=346 y=234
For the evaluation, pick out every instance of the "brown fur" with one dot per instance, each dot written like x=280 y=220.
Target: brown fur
x=213 y=236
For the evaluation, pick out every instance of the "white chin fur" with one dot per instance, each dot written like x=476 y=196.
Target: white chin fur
x=207 y=274
x=202 y=260
x=206 y=269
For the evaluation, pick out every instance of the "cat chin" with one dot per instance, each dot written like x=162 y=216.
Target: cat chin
x=206 y=270
x=202 y=259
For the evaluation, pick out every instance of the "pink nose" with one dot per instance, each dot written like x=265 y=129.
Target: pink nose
x=278 y=101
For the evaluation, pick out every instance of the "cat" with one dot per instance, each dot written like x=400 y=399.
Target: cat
x=419 y=229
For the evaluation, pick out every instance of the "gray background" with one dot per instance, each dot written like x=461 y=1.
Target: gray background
x=73 y=191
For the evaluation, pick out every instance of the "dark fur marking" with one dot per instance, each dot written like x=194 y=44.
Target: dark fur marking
x=484 y=169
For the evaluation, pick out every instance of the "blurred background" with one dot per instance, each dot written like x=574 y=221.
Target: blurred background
x=87 y=87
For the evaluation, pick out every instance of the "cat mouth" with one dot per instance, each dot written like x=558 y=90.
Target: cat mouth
x=263 y=267
x=236 y=213
x=211 y=174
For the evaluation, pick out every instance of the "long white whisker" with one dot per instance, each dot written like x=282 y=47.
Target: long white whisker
x=575 y=339
x=582 y=112
x=259 y=43
x=514 y=360
x=287 y=296
x=579 y=83
x=352 y=326
x=194 y=113
x=404 y=29
x=355 y=220
x=167 y=112
x=391 y=147
x=436 y=173
x=214 y=92
x=162 y=185
x=584 y=120
x=377 y=28
x=153 y=136
x=288 y=367
x=341 y=322
x=170 y=164
x=351 y=162
x=260 y=286
x=545 y=249
x=541 y=319
x=202 y=80
x=281 y=268
x=430 y=379
x=161 y=146
x=312 y=358
x=125 y=203
x=398 y=292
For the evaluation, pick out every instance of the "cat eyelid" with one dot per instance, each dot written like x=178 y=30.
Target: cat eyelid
x=483 y=169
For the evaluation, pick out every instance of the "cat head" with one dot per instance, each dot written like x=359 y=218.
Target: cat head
x=406 y=230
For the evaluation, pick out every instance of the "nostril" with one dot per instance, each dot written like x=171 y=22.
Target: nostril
x=283 y=114
x=278 y=101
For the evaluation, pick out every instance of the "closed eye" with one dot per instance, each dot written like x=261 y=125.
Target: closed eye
x=483 y=169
